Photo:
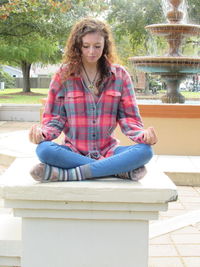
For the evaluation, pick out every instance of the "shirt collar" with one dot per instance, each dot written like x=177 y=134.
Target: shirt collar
x=112 y=71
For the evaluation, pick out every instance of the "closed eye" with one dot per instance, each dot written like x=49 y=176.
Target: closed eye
x=96 y=46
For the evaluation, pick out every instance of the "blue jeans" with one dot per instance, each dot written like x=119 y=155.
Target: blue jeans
x=125 y=158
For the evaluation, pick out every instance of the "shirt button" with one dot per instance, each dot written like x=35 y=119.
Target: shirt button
x=94 y=135
x=94 y=121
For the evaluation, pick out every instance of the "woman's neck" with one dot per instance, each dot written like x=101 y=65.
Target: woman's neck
x=91 y=67
x=90 y=76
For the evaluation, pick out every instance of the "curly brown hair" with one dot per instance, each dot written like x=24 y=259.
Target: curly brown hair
x=72 y=52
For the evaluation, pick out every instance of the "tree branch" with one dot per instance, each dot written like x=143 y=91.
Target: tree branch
x=29 y=25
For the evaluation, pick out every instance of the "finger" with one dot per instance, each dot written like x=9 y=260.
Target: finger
x=35 y=134
x=146 y=137
x=153 y=135
x=152 y=131
x=150 y=137
x=38 y=135
x=31 y=134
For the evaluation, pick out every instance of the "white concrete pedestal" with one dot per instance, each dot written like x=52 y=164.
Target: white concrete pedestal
x=102 y=223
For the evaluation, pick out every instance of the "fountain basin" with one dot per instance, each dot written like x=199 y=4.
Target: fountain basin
x=166 y=65
x=172 y=69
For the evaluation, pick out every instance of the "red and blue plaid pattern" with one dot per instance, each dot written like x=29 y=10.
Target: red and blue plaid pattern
x=88 y=123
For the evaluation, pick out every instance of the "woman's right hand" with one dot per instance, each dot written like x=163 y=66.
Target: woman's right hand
x=35 y=134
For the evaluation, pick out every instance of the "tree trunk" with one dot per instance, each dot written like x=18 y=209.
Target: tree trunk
x=26 y=76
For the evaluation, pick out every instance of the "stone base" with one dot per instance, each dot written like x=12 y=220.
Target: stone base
x=20 y=112
x=97 y=223
x=78 y=243
x=173 y=98
x=10 y=241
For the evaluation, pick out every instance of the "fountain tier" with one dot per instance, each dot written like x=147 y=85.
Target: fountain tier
x=168 y=29
x=172 y=69
x=174 y=33
x=167 y=65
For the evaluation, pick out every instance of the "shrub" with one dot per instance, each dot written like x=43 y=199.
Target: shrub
x=7 y=79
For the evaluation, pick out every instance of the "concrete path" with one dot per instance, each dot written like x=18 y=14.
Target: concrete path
x=175 y=238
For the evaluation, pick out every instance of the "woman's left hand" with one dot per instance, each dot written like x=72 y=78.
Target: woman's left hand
x=150 y=136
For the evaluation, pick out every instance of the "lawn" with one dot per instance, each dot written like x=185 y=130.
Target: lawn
x=187 y=94
x=16 y=96
x=191 y=94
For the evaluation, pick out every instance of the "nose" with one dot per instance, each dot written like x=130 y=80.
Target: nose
x=91 y=50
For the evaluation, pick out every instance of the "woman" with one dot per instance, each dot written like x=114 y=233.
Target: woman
x=88 y=97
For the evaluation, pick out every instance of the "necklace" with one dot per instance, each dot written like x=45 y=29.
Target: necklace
x=91 y=85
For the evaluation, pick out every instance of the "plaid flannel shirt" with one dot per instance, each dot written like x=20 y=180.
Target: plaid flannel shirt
x=88 y=124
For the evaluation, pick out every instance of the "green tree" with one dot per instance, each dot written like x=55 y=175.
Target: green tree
x=6 y=78
x=23 y=54
x=28 y=33
x=193 y=43
x=130 y=17
x=193 y=11
x=35 y=30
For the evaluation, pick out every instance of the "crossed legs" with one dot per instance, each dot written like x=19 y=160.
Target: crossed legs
x=62 y=164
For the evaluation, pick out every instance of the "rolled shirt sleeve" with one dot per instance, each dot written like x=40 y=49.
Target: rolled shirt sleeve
x=54 y=117
x=129 y=117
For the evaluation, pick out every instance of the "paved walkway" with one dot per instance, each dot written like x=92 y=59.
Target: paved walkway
x=174 y=239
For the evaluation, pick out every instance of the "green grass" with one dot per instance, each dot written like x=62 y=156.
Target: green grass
x=191 y=94
x=16 y=96
x=187 y=94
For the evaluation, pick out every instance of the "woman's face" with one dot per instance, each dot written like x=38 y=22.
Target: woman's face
x=92 y=47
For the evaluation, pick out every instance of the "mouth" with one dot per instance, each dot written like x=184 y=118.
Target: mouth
x=91 y=57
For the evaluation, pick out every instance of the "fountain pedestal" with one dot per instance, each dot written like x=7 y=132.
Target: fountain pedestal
x=173 y=95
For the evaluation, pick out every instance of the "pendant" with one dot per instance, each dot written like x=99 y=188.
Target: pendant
x=91 y=87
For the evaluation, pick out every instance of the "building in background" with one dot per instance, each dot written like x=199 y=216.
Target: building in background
x=40 y=75
x=12 y=71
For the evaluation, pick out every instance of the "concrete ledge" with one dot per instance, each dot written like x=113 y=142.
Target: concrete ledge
x=185 y=178
x=6 y=160
x=20 y=112
x=150 y=188
x=169 y=225
x=108 y=217
x=183 y=170
x=10 y=240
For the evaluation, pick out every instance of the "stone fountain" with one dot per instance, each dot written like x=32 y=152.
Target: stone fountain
x=172 y=67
